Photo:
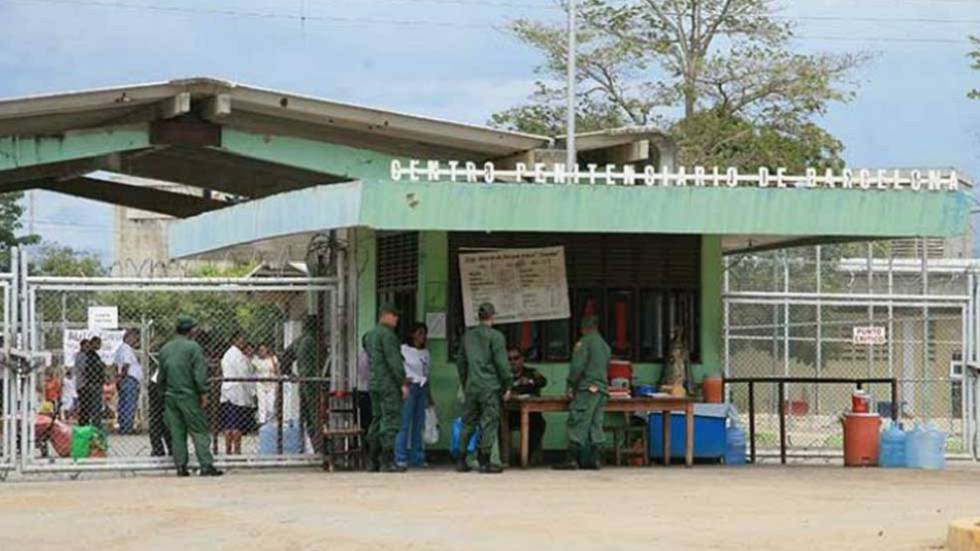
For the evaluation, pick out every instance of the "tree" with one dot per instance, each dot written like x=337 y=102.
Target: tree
x=714 y=72
x=11 y=212
x=974 y=56
x=59 y=260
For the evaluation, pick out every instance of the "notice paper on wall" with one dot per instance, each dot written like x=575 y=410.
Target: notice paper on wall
x=522 y=284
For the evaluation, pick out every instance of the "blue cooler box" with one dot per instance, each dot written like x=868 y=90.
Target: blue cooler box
x=709 y=432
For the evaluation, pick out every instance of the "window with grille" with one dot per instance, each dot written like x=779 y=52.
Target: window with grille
x=638 y=285
x=398 y=274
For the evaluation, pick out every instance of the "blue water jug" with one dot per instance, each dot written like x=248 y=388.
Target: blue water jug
x=914 y=441
x=292 y=439
x=933 y=448
x=734 y=445
x=892 y=449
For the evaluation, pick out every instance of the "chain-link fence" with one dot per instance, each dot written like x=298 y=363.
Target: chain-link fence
x=258 y=390
x=846 y=312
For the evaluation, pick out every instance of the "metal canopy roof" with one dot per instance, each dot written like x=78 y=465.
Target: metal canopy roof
x=251 y=106
x=176 y=129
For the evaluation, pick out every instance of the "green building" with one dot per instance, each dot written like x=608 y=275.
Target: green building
x=404 y=196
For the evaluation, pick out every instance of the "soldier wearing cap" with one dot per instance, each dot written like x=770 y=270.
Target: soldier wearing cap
x=485 y=376
x=587 y=375
x=388 y=389
x=183 y=378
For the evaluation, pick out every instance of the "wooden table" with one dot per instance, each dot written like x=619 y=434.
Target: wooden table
x=545 y=404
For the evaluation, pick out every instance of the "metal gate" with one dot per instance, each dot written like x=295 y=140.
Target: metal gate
x=7 y=382
x=43 y=414
x=798 y=313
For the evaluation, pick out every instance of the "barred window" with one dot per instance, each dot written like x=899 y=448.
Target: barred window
x=638 y=285
x=398 y=274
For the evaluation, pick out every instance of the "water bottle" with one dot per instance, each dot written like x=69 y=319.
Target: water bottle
x=892 y=449
x=735 y=444
x=933 y=448
x=914 y=441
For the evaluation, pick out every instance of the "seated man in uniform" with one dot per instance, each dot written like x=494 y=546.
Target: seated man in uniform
x=527 y=382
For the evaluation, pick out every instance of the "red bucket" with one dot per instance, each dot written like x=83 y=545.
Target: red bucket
x=620 y=369
x=860 y=402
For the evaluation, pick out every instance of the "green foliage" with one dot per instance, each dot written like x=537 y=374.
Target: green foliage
x=974 y=56
x=717 y=73
x=233 y=271
x=58 y=260
x=11 y=212
x=709 y=138
x=220 y=313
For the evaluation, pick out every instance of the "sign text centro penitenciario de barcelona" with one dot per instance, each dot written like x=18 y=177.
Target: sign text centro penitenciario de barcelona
x=416 y=170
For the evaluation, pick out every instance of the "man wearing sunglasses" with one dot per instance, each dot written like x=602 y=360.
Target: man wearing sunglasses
x=527 y=382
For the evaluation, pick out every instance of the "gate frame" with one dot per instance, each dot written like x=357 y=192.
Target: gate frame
x=27 y=463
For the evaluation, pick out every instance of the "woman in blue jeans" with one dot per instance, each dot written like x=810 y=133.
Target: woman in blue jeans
x=409 y=451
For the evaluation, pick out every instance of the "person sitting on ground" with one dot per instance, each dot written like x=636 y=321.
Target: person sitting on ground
x=527 y=382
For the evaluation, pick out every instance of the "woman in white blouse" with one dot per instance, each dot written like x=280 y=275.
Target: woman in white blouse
x=266 y=366
x=409 y=451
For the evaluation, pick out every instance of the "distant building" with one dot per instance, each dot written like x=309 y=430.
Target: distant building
x=140 y=236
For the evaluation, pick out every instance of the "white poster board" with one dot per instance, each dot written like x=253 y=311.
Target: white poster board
x=872 y=334
x=103 y=317
x=110 y=342
x=522 y=284
x=436 y=322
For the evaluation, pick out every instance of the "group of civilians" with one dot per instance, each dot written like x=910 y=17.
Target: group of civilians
x=86 y=390
x=245 y=401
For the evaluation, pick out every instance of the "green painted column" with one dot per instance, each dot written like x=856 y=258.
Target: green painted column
x=711 y=307
x=433 y=298
x=366 y=264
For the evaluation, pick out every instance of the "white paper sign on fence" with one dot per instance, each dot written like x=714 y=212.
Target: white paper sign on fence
x=103 y=317
x=110 y=342
x=522 y=284
x=867 y=335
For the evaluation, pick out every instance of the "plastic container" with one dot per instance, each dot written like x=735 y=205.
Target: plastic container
x=292 y=441
x=710 y=440
x=457 y=428
x=932 y=454
x=914 y=442
x=620 y=369
x=860 y=402
x=892 y=448
x=861 y=439
x=734 y=444
x=711 y=388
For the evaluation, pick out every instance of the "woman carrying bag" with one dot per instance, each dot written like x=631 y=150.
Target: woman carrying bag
x=409 y=449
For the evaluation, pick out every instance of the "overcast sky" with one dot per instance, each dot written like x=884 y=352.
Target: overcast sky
x=449 y=58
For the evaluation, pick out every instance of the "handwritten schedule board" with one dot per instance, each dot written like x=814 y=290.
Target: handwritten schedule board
x=522 y=284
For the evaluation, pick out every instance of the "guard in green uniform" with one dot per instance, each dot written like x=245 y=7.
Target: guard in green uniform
x=388 y=389
x=183 y=379
x=485 y=375
x=306 y=366
x=587 y=385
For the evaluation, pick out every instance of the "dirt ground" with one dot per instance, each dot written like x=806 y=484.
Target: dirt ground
x=706 y=507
